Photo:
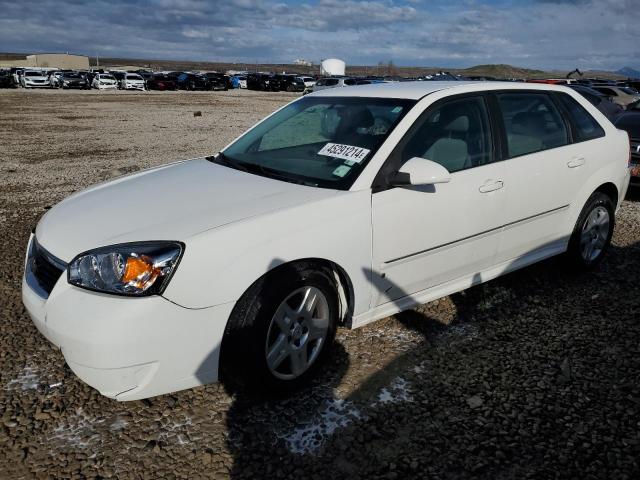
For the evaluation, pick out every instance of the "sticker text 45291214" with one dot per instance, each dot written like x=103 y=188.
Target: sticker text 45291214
x=344 y=152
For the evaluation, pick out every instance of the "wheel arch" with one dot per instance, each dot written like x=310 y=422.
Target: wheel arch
x=610 y=190
x=344 y=285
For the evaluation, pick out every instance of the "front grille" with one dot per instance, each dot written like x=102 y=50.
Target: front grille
x=45 y=269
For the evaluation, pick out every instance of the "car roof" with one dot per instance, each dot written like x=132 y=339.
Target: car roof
x=418 y=89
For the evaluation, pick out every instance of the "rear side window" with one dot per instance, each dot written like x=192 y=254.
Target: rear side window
x=349 y=81
x=586 y=127
x=532 y=123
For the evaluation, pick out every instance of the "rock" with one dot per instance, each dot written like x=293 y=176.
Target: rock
x=475 y=401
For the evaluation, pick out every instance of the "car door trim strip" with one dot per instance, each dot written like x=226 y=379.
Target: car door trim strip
x=481 y=234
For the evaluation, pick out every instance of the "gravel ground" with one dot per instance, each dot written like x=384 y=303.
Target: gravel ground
x=534 y=375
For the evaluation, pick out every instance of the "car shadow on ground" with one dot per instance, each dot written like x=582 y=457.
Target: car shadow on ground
x=525 y=376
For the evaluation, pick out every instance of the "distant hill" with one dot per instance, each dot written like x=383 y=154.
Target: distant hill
x=628 y=72
x=502 y=71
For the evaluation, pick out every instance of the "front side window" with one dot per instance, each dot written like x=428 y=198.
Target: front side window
x=532 y=123
x=454 y=134
x=586 y=127
x=323 y=141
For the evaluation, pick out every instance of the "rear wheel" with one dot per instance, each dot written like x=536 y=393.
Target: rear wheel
x=281 y=330
x=593 y=231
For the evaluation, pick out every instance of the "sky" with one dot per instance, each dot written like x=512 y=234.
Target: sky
x=546 y=34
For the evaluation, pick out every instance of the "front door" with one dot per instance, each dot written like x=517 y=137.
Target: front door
x=425 y=236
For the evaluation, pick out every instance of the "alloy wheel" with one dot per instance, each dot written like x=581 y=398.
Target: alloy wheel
x=595 y=232
x=297 y=333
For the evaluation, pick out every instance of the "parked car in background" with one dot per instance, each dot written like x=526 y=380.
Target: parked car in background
x=139 y=305
x=289 y=83
x=119 y=76
x=16 y=73
x=620 y=95
x=630 y=122
x=368 y=81
x=161 y=82
x=69 y=79
x=35 y=79
x=132 y=81
x=6 y=79
x=599 y=100
x=308 y=81
x=218 y=81
x=332 y=82
x=262 y=81
x=192 y=81
x=239 y=81
x=55 y=79
x=104 y=81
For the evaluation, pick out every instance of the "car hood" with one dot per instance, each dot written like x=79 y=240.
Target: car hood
x=172 y=202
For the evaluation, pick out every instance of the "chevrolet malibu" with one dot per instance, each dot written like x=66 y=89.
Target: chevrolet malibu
x=341 y=208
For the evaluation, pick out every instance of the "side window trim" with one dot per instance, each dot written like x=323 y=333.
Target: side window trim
x=567 y=118
x=391 y=164
x=499 y=131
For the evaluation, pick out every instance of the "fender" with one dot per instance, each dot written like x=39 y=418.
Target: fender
x=220 y=264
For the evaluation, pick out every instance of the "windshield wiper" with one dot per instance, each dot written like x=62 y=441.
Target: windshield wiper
x=222 y=159
x=261 y=170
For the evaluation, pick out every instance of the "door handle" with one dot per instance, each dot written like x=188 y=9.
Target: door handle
x=491 y=186
x=576 y=162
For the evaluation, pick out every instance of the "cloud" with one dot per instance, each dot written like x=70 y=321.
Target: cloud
x=536 y=33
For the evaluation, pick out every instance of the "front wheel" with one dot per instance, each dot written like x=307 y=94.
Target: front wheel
x=281 y=330
x=592 y=233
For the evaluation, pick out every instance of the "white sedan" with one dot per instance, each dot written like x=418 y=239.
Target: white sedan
x=35 y=79
x=133 y=81
x=104 y=81
x=341 y=208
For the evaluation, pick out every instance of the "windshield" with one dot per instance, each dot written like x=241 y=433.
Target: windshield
x=322 y=141
x=134 y=77
x=106 y=77
x=32 y=74
x=72 y=75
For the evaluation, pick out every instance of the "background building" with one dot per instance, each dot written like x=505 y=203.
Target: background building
x=49 y=60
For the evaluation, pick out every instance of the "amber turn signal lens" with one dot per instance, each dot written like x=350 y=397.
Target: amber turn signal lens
x=139 y=272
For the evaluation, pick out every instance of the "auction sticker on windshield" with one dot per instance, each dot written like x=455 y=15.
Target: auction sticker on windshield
x=344 y=152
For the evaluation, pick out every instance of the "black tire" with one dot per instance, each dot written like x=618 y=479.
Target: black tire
x=243 y=361
x=575 y=252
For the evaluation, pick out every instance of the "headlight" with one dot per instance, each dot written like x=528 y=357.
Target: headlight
x=135 y=269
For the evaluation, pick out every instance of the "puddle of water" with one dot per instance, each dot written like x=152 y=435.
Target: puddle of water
x=28 y=379
x=309 y=438
x=398 y=391
x=77 y=431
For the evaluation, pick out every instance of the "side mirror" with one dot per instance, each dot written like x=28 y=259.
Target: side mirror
x=420 y=171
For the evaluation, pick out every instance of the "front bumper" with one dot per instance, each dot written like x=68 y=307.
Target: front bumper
x=130 y=348
x=105 y=86
x=133 y=86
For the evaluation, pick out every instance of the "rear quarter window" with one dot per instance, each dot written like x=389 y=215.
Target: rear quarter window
x=586 y=127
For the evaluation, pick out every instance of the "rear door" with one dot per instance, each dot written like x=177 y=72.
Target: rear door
x=543 y=173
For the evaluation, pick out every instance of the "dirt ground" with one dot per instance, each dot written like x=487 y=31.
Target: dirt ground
x=534 y=375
